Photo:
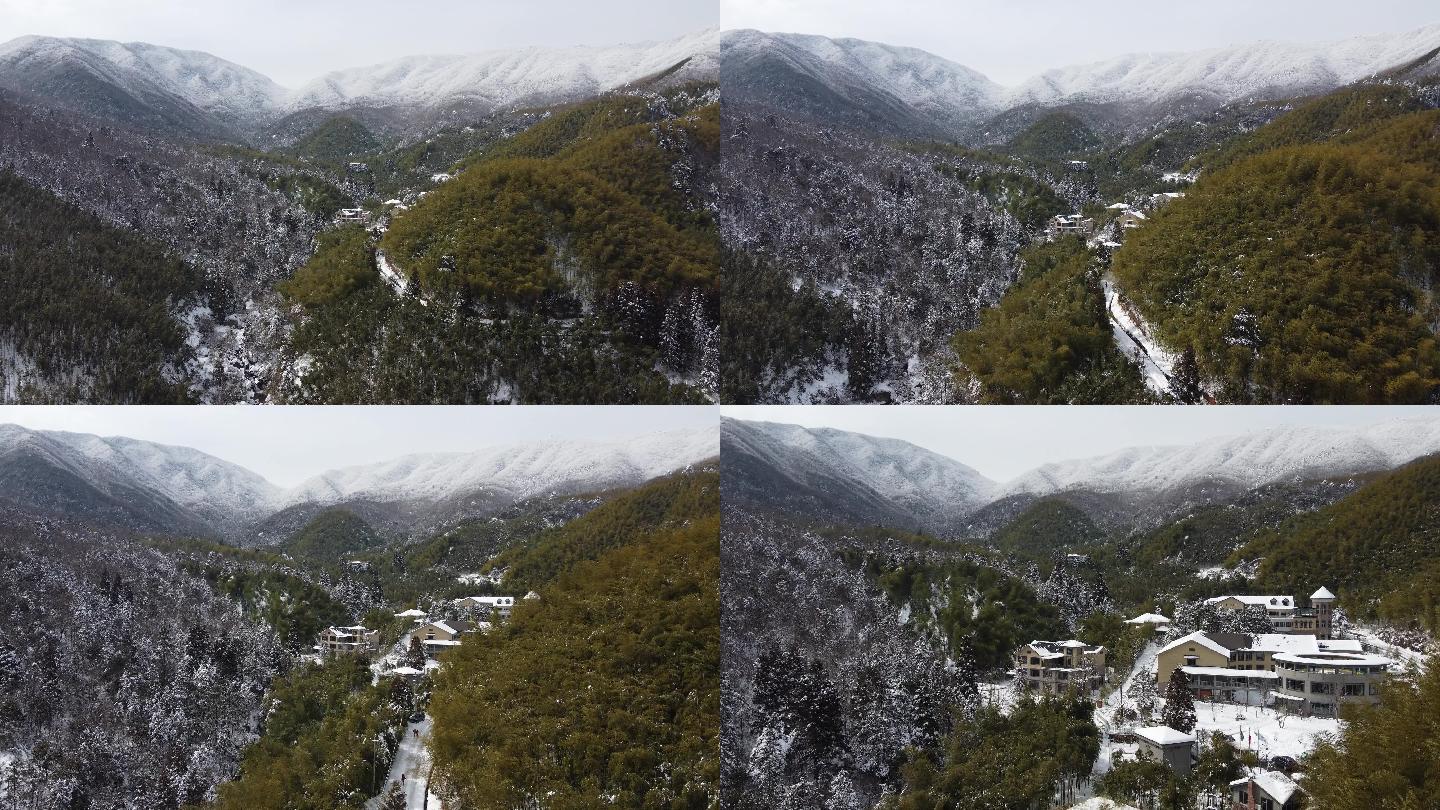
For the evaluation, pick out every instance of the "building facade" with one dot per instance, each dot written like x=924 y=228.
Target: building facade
x=1321 y=683
x=1172 y=748
x=357 y=639
x=1060 y=666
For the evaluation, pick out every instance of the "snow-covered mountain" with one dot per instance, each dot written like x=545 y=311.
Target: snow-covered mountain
x=1244 y=462
x=153 y=487
x=884 y=87
x=503 y=77
x=512 y=472
x=166 y=89
x=847 y=477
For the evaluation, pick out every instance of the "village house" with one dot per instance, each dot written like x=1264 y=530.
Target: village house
x=500 y=606
x=413 y=613
x=353 y=215
x=1172 y=748
x=1064 y=224
x=1159 y=622
x=1060 y=666
x=357 y=639
x=439 y=636
x=1264 y=790
x=1131 y=219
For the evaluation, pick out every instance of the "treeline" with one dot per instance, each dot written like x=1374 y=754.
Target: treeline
x=1050 y=341
x=605 y=691
x=89 y=304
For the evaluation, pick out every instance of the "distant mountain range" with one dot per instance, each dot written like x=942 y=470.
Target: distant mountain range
x=892 y=89
x=190 y=92
x=142 y=486
x=850 y=478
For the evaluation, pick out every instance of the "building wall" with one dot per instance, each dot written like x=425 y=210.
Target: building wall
x=1170 y=660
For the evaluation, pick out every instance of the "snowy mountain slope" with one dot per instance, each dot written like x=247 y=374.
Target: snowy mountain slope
x=884 y=87
x=1247 y=462
x=854 y=81
x=152 y=487
x=96 y=75
x=1254 y=70
x=847 y=477
x=514 y=472
x=503 y=77
x=155 y=88
x=128 y=483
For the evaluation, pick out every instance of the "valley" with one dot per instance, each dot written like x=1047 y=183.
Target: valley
x=271 y=208
x=1147 y=229
x=883 y=651
x=187 y=634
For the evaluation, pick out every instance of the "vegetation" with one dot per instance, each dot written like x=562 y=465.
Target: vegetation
x=327 y=743
x=983 y=613
x=1376 y=549
x=336 y=140
x=668 y=502
x=1384 y=758
x=1002 y=761
x=1050 y=340
x=1299 y=274
x=1048 y=525
x=605 y=691
x=1055 y=135
x=88 y=304
x=297 y=609
x=331 y=535
x=566 y=264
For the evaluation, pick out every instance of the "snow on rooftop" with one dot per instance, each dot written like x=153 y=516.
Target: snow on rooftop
x=1199 y=638
x=1226 y=672
x=1284 y=642
x=1164 y=735
x=1323 y=593
x=1278 y=785
x=1267 y=600
x=1148 y=618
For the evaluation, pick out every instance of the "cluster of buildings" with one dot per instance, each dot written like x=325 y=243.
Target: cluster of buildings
x=479 y=614
x=1125 y=216
x=1259 y=789
x=1298 y=668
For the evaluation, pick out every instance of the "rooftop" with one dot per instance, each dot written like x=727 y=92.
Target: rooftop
x=1278 y=785
x=1164 y=735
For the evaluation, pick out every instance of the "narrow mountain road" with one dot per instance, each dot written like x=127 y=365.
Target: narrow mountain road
x=412 y=762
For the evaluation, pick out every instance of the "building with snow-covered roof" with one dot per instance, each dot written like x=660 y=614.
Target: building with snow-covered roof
x=1173 y=748
x=1284 y=611
x=353 y=216
x=1320 y=683
x=441 y=635
x=1264 y=790
x=1132 y=219
x=1063 y=224
x=1060 y=666
x=500 y=606
x=357 y=639
x=413 y=613
x=1150 y=618
x=1249 y=668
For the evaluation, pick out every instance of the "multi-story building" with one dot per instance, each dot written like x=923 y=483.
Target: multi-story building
x=357 y=639
x=441 y=635
x=1319 y=683
x=1244 y=668
x=1060 y=666
x=500 y=606
x=1285 y=614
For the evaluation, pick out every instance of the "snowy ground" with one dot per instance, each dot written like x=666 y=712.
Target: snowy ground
x=1003 y=695
x=1264 y=731
x=1373 y=643
x=1107 y=715
x=1132 y=334
x=1101 y=804
x=412 y=762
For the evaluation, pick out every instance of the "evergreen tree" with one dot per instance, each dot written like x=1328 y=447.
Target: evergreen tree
x=1179 y=712
x=415 y=654
x=1185 y=379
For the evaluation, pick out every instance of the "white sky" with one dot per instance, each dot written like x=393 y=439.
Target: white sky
x=293 y=41
x=1003 y=442
x=1012 y=40
x=288 y=444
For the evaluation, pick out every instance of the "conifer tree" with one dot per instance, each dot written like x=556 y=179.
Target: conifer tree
x=1179 y=712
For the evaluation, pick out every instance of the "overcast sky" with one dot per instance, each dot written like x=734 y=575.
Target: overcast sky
x=1012 y=40
x=1003 y=442
x=293 y=41
x=291 y=443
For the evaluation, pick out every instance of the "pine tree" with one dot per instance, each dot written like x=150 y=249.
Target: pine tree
x=415 y=656
x=1185 y=381
x=1179 y=712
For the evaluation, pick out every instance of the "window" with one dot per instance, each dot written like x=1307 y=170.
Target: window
x=1319 y=688
x=1294 y=685
x=1374 y=689
x=1354 y=690
x=1267 y=804
x=1244 y=797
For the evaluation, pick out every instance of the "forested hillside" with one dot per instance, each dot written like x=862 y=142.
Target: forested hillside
x=85 y=308
x=125 y=680
x=573 y=262
x=1376 y=549
x=1302 y=274
x=625 y=639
